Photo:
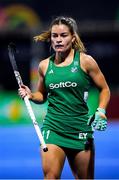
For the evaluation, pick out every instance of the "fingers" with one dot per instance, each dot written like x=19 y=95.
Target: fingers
x=101 y=125
x=24 y=91
x=99 y=122
x=23 y=86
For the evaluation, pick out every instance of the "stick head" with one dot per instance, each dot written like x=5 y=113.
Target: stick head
x=12 y=47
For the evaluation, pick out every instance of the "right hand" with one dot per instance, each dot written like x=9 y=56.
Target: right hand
x=24 y=91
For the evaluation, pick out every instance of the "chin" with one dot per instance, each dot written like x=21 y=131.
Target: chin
x=59 y=50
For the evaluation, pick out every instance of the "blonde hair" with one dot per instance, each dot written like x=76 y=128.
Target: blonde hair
x=71 y=23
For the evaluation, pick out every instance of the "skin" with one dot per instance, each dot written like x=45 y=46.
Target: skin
x=81 y=162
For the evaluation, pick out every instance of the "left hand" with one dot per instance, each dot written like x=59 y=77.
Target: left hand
x=99 y=121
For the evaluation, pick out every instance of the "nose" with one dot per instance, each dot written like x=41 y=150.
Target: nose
x=59 y=39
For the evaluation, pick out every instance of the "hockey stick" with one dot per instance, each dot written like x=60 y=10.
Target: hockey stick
x=11 y=51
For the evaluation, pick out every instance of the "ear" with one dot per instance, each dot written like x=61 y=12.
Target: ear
x=73 y=38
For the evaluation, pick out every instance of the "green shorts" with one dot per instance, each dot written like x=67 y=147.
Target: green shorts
x=79 y=140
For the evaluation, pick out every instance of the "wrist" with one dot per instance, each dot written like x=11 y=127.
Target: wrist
x=102 y=110
x=30 y=96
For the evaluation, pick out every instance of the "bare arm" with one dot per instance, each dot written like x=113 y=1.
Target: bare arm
x=92 y=68
x=40 y=95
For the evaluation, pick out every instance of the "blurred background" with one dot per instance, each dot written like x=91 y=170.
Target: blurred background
x=20 y=21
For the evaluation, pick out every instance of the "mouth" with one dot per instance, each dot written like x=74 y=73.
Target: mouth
x=59 y=46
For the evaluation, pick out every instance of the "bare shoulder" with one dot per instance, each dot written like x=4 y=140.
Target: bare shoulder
x=87 y=62
x=85 y=58
x=43 y=65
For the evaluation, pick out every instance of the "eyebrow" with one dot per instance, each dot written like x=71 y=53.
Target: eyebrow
x=60 y=33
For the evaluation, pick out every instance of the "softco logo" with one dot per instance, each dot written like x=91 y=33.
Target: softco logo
x=63 y=84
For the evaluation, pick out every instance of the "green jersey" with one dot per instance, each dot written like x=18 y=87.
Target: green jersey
x=67 y=89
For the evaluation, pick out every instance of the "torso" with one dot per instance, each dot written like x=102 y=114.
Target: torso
x=67 y=88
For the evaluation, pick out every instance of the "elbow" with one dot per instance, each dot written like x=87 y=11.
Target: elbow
x=107 y=92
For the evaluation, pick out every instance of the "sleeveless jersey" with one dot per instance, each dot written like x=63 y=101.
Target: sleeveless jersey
x=67 y=89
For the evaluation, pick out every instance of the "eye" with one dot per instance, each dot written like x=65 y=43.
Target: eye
x=64 y=35
x=54 y=35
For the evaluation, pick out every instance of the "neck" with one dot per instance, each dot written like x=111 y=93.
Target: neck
x=61 y=57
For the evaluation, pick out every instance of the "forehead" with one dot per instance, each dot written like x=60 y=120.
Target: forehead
x=59 y=28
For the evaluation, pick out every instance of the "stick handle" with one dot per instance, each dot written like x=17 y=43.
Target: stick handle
x=31 y=113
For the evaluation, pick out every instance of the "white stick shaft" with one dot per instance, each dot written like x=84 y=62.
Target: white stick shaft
x=11 y=51
x=31 y=113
